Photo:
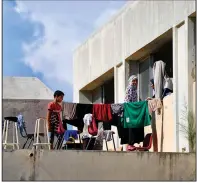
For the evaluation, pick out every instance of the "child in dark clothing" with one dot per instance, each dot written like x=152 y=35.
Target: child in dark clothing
x=53 y=115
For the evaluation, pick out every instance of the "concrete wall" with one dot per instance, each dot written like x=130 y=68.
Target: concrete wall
x=96 y=95
x=30 y=109
x=138 y=24
x=94 y=166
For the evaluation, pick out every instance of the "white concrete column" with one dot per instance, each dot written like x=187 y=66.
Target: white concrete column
x=191 y=60
x=183 y=43
x=175 y=87
x=120 y=83
x=119 y=89
x=115 y=85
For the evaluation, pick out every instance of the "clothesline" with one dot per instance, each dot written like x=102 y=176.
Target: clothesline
x=132 y=115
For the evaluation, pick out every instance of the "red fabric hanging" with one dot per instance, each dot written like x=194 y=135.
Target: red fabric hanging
x=102 y=112
x=92 y=128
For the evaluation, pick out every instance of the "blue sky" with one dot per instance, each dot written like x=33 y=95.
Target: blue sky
x=39 y=37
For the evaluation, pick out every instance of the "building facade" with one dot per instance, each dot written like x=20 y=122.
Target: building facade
x=140 y=34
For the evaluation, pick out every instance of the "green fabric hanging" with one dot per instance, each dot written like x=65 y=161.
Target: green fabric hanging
x=136 y=115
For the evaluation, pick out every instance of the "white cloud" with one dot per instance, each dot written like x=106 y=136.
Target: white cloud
x=60 y=33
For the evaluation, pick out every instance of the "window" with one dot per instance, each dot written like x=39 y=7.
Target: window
x=144 y=79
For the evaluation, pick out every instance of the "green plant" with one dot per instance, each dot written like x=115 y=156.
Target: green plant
x=189 y=128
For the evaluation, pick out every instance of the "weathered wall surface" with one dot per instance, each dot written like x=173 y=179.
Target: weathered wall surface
x=78 y=165
x=30 y=109
x=135 y=26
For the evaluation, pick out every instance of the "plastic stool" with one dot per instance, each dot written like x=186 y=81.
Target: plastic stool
x=37 y=133
x=7 y=121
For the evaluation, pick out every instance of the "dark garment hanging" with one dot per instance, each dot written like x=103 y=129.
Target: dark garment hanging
x=69 y=111
x=127 y=135
x=134 y=135
x=123 y=133
x=117 y=109
x=76 y=122
x=83 y=109
x=107 y=126
x=102 y=112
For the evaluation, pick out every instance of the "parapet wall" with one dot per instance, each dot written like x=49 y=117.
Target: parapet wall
x=27 y=165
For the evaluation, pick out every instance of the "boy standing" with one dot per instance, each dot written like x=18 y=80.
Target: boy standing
x=53 y=115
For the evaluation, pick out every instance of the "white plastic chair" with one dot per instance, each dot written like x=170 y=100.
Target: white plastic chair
x=15 y=141
x=37 y=143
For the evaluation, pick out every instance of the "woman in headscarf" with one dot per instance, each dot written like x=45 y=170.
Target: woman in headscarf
x=132 y=135
x=153 y=87
x=131 y=91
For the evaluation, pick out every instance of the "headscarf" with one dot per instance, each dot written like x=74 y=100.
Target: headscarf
x=131 y=91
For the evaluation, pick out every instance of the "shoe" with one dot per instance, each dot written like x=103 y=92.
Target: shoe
x=131 y=148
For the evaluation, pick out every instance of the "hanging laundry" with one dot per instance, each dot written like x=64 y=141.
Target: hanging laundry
x=106 y=134
x=70 y=133
x=76 y=122
x=162 y=83
x=69 y=111
x=87 y=119
x=127 y=135
x=107 y=125
x=117 y=109
x=117 y=114
x=153 y=105
x=99 y=141
x=132 y=135
x=102 y=112
x=83 y=109
x=93 y=128
x=158 y=74
x=21 y=123
x=136 y=115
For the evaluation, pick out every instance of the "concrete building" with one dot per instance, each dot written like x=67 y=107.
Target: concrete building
x=25 y=88
x=28 y=96
x=140 y=34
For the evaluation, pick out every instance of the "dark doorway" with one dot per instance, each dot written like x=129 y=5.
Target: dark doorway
x=108 y=92
x=165 y=53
